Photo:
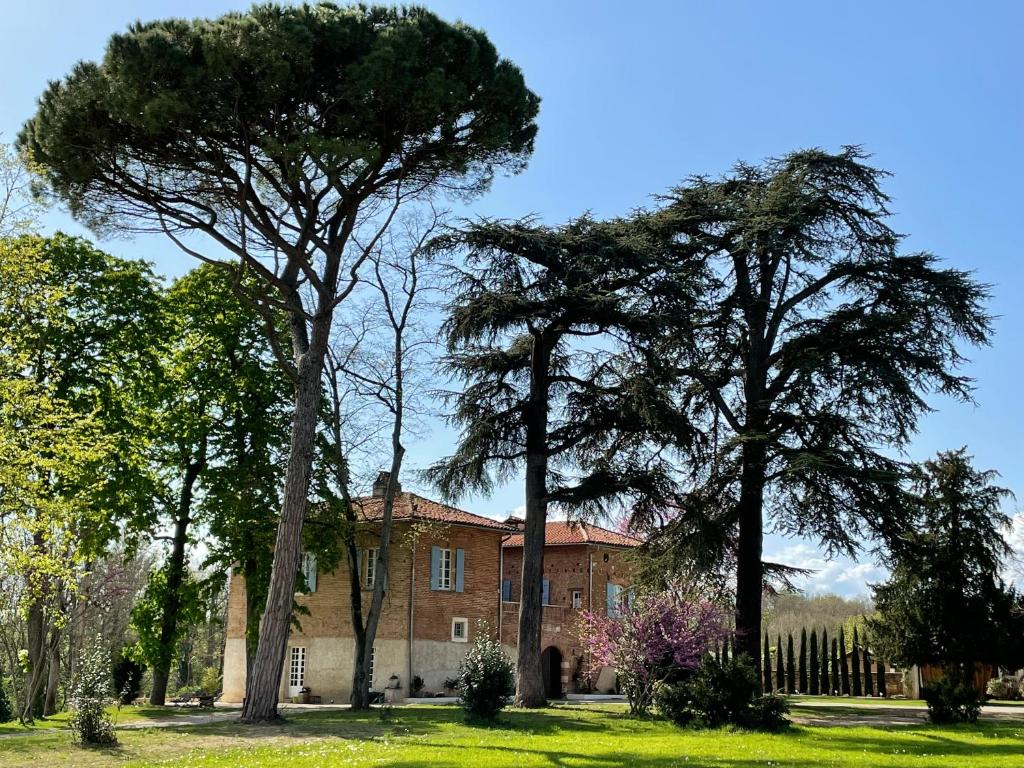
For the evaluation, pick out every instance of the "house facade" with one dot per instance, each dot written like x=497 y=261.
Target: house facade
x=449 y=569
x=586 y=568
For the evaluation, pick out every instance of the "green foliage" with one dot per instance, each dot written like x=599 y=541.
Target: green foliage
x=814 y=668
x=766 y=667
x=90 y=695
x=722 y=693
x=945 y=603
x=1007 y=688
x=6 y=708
x=952 y=701
x=856 y=687
x=147 y=617
x=844 y=664
x=127 y=674
x=486 y=678
x=790 y=666
x=780 y=675
x=210 y=682
x=802 y=663
x=824 y=686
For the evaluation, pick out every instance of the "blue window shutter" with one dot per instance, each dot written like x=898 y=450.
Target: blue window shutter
x=546 y=594
x=506 y=590
x=609 y=597
x=460 y=562
x=435 y=567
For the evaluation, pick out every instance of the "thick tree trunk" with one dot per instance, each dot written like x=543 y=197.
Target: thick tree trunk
x=53 y=675
x=175 y=578
x=749 y=570
x=529 y=674
x=263 y=687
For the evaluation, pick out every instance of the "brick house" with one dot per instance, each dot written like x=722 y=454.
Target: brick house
x=444 y=576
x=586 y=568
x=449 y=569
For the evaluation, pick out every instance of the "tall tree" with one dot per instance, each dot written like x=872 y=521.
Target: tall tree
x=767 y=667
x=844 y=662
x=220 y=418
x=548 y=390
x=801 y=668
x=855 y=686
x=814 y=669
x=790 y=666
x=287 y=137
x=880 y=671
x=868 y=682
x=78 y=328
x=808 y=360
x=780 y=677
x=945 y=603
x=836 y=685
x=826 y=687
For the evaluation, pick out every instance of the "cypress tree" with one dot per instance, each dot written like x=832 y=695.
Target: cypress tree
x=868 y=683
x=790 y=666
x=780 y=672
x=844 y=669
x=801 y=669
x=835 y=667
x=813 y=684
x=855 y=664
x=766 y=668
x=880 y=666
x=825 y=687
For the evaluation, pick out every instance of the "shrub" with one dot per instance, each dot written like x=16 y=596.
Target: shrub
x=1007 y=687
x=721 y=693
x=127 y=676
x=6 y=710
x=485 y=676
x=417 y=685
x=209 y=681
x=952 y=702
x=90 y=695
x=767 y=713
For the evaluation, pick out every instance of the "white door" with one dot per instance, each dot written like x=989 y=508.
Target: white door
x=297 y=672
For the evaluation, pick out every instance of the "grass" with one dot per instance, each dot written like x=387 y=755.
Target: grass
x=563 y=735
x=122 y=716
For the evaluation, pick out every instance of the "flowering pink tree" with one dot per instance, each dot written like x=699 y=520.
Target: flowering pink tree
x=660 y=636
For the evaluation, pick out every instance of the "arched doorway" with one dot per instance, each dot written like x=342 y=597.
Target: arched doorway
x=551 y=664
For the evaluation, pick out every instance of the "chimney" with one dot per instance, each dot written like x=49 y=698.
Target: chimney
x=380 y=485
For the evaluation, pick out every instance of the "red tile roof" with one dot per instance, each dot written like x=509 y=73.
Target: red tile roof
x=563 y=533
x=409 y=506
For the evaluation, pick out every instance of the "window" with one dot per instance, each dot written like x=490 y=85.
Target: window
x=444 y=580
x=307 y=566
x=297 y=669
x=577 y=599
x=545 y=595
x=460 y=630
x=373 y=659
x=369 y=567
x=613 y=595
x=506 y=590
x=447 y=567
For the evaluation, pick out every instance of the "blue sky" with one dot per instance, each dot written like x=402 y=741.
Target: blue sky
x=638 y=95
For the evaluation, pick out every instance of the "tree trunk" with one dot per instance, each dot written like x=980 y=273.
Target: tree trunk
x=252 y=618
x=36 y=633
x=263 y=687
x=529 y=673
x=175 y=578
x=749 y=571
x=53 y=674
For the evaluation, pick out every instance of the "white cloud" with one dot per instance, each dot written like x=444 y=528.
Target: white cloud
x=841 y=575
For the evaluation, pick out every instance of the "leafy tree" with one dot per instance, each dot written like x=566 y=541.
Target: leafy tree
x=855 y=663
x=780 y=678
x=656 y=641
x=767 y=667
x=802 y=662
x=790 y=667
x=867 y=674
x=79 y=327
x=287 y=137
x=6 y=709
x=127 y=676
x=844 y=669
x=807 y=360
x=945 y=603
x=814 y=669
x=548 y=391
x=836 y=688
x=825 y=687
x=19 y=211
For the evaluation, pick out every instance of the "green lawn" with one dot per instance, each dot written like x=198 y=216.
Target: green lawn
x=563 y=735
x=122 y=716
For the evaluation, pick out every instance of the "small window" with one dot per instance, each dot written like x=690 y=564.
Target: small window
x=445 y=574
x=460 y=630
x=577 y=599
x=506 y=590
x=369 y=567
